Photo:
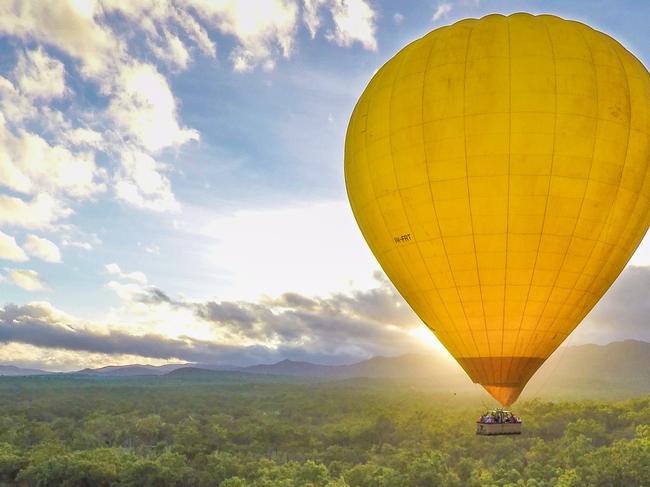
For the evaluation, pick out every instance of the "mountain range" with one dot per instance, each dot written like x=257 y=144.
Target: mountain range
x=619 y=367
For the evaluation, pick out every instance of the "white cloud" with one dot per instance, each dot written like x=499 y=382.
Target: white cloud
x=442 y=10
x=126 y=291
x=80 y=245
x=158 y=20
x=152 y=249
x=398 y=18
x=71 y=26
x=262 y=29
x=40 y=76
x=29 y=165
x=144 y=108
x=39 y=212
x=72 y=236
x=354 y=21
x=141 y=110
x=83 y=137
x=9 y=249
x=172 y=51
x=311 y=16
x=141 y=117
x=42 y=248
x=196 y=32
x=141 y=183
x=15 y=107
x=114 y=270
x=27 y=279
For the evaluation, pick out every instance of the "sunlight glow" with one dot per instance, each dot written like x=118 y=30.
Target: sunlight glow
x=428 y=338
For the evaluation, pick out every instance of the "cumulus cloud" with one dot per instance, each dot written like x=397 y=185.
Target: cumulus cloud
x=145 y=108
x=27 y=279
x=16 y=107
x=261 y=29
x=39 y=75
x=83 y=137
x=42 y=248
x=71 y=236
x=10 y=250
x=354 y=325
x=354 y=21
x=38 y=212
x=332 y=329
x=41 y=325
x=141 y=109
x=48 y=151
x=71 y=26
x=114 y=270
x=338 y=328
x=141 y=181
x=31 y=165
x=442 y=10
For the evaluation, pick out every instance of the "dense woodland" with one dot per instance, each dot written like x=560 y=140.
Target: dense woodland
x=360 y=433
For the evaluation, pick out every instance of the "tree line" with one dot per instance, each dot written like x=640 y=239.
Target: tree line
x=156 y=432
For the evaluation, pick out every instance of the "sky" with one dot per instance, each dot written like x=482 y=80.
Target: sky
x=171 y=180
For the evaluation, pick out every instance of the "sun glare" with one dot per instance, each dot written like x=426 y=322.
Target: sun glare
x=427 y=337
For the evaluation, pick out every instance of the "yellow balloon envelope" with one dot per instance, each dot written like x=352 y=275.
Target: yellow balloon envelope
x=498 y=169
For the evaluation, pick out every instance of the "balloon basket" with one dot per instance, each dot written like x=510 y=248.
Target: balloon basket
x=498 y=422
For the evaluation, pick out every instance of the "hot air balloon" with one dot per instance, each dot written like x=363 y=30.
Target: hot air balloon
x=498 y=170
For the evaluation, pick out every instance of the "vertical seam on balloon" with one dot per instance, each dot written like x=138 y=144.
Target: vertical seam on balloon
x=537 y=346
x=629 y=104
x=505 y=275
x=383 y=217
x=517 y=349
x=428 y=183
x=442 y=240
x=469 y=199
x=435 y=211
x=392 y=158
x=586 y=308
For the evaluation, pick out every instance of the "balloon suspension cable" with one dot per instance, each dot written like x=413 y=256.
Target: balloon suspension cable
x=561 y=355
x=486 y=407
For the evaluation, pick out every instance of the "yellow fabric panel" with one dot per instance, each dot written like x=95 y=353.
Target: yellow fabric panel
x=498 y=169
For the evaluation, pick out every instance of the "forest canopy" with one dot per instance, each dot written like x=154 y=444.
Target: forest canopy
x=357 y=433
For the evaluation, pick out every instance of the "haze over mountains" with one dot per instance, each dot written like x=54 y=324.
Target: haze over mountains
x=619 y=368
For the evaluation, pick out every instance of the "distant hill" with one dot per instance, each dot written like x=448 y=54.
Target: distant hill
x=293 y=368
x=618 y=369
x=13 y=371
x=131 y=370
x=404 y=366
x=597 y=371
x=196 y=374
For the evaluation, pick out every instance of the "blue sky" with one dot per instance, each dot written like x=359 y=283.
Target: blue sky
x=169 y=171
